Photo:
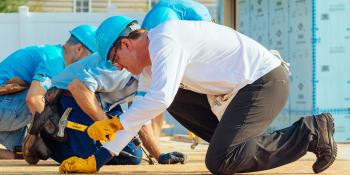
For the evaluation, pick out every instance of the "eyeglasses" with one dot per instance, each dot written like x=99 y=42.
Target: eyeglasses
x=113 y=59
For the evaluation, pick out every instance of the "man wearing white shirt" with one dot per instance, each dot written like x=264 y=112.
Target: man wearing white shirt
x=215 y=65
x=94 y=89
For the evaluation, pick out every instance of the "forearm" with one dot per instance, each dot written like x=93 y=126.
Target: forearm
x=157 y=124
x=87 y=100
x=34 y=99
x=149 y=141
x=36 y=104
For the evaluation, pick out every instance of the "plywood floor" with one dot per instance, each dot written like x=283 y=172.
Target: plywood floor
x=194 y=165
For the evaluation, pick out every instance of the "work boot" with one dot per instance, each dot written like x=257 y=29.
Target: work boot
x=29 y=156
x=323 y=145
x=34 y=149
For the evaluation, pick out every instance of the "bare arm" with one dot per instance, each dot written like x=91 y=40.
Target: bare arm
x=149 y=141
x=87 y=100
x=35 y=96
x=157 y=123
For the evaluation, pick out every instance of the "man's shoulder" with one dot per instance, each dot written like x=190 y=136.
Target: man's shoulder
x=43 y=47
x=90 y=65
x=90 y=61
x=45 y=51
x=51 y=48
x=31 y=53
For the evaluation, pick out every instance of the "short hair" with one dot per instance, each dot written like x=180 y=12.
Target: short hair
x=73 y=40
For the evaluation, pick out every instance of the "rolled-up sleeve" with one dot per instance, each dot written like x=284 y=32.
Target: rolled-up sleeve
x=88 y=79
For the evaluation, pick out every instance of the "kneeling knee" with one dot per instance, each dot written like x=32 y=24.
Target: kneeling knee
x=214 y=164
x=223 y=165
x=134 y=161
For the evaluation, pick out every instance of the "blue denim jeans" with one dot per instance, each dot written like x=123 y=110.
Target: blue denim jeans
x=14 y=117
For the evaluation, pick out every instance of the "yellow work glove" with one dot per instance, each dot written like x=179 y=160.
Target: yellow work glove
x=103 y=130
x=78 y=165
x=110 y=137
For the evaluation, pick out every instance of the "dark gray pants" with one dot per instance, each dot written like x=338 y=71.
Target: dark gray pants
x=237 y=142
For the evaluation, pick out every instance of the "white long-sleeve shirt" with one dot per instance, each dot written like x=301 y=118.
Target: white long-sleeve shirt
x=205 y=57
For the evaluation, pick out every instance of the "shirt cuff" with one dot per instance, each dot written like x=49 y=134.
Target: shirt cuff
x=122 y=138
x=90 y=84
x=39 y=78
x=45 y=82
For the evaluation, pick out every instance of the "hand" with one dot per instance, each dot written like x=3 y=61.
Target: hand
x=11 y=88
x=78 y=165
x=172 y=158
x=110 y=137
x=104 y=129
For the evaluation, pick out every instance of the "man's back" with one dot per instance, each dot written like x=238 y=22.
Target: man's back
x=175 y=10
x=29 y=62
x=98 y=76
x=206 y=48
x=187 y=9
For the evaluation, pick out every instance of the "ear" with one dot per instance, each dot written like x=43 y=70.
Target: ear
x=79 y=48
x=126 y=43
x=80 y=51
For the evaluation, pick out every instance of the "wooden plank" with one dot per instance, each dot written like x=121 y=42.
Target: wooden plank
x=194 y=165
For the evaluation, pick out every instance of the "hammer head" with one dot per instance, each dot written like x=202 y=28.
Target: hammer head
x=63 y=122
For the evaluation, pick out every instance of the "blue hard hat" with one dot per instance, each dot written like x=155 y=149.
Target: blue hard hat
x=109 y=31
x=157 y=16
x=86 y=35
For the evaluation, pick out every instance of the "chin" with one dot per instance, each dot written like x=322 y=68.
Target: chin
x=135 y=72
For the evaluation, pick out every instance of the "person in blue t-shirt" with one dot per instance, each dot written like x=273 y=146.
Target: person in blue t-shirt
x=93 y=88
x=166 y=10
x=32 y=68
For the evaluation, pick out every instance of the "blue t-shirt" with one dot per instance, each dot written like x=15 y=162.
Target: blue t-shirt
x=111 y=86
x=175 y=10
x=39 y=62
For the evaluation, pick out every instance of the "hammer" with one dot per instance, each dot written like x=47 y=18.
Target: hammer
x=63 y=122
x=195 y=139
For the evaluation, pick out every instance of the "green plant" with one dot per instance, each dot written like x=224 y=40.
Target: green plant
x=8 y=6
